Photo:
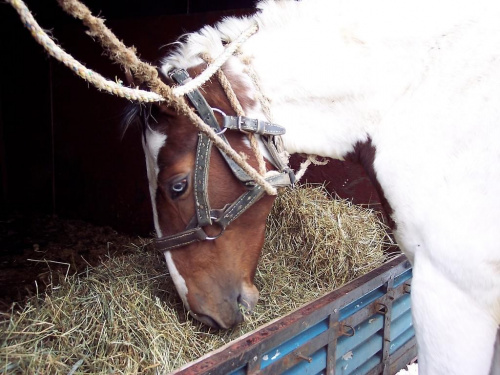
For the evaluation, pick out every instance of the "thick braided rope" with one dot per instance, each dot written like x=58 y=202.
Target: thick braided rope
x=115 y=48
x=266 y=107
x=264 y=100
x=236 y=105
x=154 y=82
x=87 y=74
x=146 y=73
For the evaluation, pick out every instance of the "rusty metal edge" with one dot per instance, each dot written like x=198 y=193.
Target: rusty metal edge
x=244 y=349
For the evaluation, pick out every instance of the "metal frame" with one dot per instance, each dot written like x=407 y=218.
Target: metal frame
x=363 y=327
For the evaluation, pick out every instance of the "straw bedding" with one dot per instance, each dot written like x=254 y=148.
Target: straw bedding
x=124 y=316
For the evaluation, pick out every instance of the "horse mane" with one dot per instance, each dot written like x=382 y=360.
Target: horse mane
x=209 y=39
x=212 y=39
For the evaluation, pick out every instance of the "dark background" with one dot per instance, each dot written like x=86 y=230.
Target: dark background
x=61 y=145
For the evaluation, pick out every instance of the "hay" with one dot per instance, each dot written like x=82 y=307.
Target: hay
x=125 y=317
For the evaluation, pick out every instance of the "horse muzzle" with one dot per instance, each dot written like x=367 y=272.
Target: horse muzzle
x=228 y=312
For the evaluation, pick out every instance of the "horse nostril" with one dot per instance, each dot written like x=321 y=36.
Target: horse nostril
x=242 y=302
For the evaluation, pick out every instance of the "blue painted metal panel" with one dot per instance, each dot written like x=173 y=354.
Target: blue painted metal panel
x=360 y=303
x=357 y=357
x=400 y=306
x=278 y=352
x=241 y=371
x=357 y=354
x=401 y=340
x=317 y=365
x=400 y=325
x=400 y=279
x=368 y=365
x=363 y=331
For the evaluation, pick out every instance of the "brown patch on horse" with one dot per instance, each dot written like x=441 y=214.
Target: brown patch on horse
x=364 y=154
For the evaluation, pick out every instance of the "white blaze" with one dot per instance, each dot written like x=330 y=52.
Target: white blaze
x=179 y=281
x=152 y=144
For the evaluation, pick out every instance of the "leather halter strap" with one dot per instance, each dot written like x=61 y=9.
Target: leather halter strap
x=250 y=125
x=205 y=216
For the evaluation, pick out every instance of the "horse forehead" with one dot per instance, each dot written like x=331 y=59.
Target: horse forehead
x=179 y=146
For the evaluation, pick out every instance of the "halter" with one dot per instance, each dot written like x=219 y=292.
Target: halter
x=205 y=216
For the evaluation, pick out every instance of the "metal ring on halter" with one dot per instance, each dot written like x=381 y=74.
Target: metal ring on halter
x=222 y=229
x=223 y=114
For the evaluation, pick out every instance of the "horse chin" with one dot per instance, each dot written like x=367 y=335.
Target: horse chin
x=217 y=322
x=205 y=319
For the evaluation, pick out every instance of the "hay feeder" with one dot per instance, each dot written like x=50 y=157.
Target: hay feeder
x=124 y=316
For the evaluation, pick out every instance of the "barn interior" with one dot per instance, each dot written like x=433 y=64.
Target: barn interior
x=71 y=179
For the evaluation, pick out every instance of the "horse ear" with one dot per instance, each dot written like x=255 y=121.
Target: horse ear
x=147 y=115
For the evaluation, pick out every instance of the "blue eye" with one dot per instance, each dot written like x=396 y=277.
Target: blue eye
x=178 y=188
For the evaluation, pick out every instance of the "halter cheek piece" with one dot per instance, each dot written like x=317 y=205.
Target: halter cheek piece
x=206 y=216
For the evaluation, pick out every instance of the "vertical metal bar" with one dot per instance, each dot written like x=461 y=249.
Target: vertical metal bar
x=331 y=351
x=387 y=326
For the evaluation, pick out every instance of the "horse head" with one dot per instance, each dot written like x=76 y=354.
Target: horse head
x=209 y=216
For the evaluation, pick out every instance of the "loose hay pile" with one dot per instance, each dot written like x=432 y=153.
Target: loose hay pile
x=124 y=316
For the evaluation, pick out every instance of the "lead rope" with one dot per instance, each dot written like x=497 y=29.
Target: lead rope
x=236 y=105
x=87 y=74
x=265 y=103
x=128 y=59
x=311 y=159
x=266 y=107
x=116 y=49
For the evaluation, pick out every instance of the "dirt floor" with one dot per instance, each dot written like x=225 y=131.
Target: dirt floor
x=35 y=250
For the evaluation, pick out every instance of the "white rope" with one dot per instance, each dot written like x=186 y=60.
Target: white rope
x=87 y=74
x=311 y=159
x=231 y=48
x=113 y=87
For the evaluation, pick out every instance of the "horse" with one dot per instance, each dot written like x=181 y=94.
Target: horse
x=407 y=88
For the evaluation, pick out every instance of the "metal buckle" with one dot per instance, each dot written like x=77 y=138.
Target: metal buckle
x=240 y=125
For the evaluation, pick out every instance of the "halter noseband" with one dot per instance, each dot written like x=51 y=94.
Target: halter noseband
x=206 y=216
